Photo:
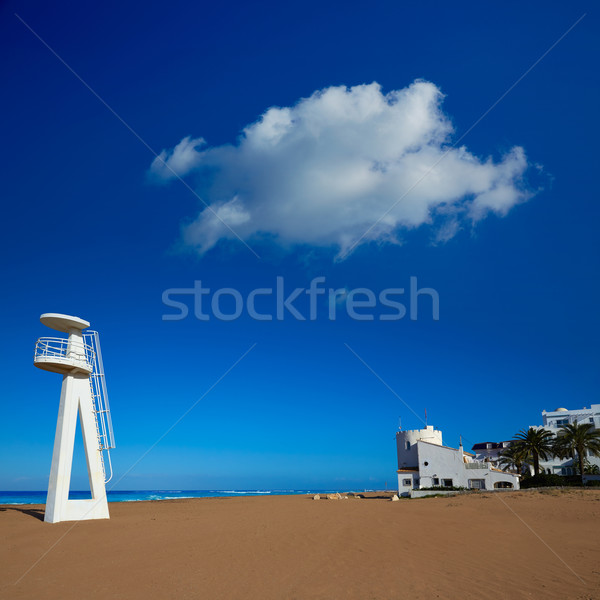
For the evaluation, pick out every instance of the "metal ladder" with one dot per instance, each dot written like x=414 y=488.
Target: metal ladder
x=101 y=408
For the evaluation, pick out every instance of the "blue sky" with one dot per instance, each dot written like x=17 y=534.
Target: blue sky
x=90 y=229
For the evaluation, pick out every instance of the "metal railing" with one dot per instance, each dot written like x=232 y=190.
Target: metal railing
x=477 y=465
x=104 y=430
x=62 y=350
x=86 y=355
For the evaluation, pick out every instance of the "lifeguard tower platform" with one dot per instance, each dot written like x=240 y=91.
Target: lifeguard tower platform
x=78 y=359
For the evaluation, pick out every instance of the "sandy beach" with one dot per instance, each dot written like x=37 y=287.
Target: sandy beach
x=475 y=546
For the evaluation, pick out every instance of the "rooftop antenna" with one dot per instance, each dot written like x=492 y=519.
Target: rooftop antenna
x=78 y=359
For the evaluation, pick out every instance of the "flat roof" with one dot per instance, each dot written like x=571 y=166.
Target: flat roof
x=64 y=323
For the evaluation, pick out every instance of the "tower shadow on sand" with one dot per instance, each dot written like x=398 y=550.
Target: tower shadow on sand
x=36 y=513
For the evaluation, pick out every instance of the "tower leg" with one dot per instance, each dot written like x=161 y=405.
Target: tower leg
x=62 y=456
x=75 y=397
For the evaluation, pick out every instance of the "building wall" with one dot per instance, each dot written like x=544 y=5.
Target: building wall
x=491 y=454
x=406 y=444
x=438 y=463
x=407 y=482
x=553 y=420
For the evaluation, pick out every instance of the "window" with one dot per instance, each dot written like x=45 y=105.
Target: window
x=408 y=445
x=488 y=446
x=407 y=482
x=436 y=481
x=503 y=485
x=447 y=482
x=562 y=422
x=477 y=484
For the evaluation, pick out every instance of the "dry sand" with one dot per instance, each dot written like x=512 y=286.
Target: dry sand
x=280 y=547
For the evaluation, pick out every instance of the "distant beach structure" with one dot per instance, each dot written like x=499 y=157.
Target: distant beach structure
x=425 y=464
x=78 y=359
x=553 y=421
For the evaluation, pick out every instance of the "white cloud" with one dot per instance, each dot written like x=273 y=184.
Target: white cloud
x=179 y=161
x=344 y=160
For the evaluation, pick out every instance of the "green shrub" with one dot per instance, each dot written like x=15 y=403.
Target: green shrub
x=544 y=480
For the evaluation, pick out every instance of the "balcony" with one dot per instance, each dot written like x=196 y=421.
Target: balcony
x=60 y=355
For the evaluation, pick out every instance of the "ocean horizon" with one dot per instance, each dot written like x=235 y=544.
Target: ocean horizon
x=39 y=497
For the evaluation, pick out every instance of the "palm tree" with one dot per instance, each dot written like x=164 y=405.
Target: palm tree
x=537 y=443
x=575 y=440
x=592 y=469
x=514 y=457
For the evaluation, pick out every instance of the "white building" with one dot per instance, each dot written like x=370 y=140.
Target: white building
x=554 y=420
x=490 y=451
x=423 y=462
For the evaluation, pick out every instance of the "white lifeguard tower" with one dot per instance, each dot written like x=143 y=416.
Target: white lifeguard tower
x=79 y=359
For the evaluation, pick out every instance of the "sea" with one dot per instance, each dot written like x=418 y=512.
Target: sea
x=141 y=495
